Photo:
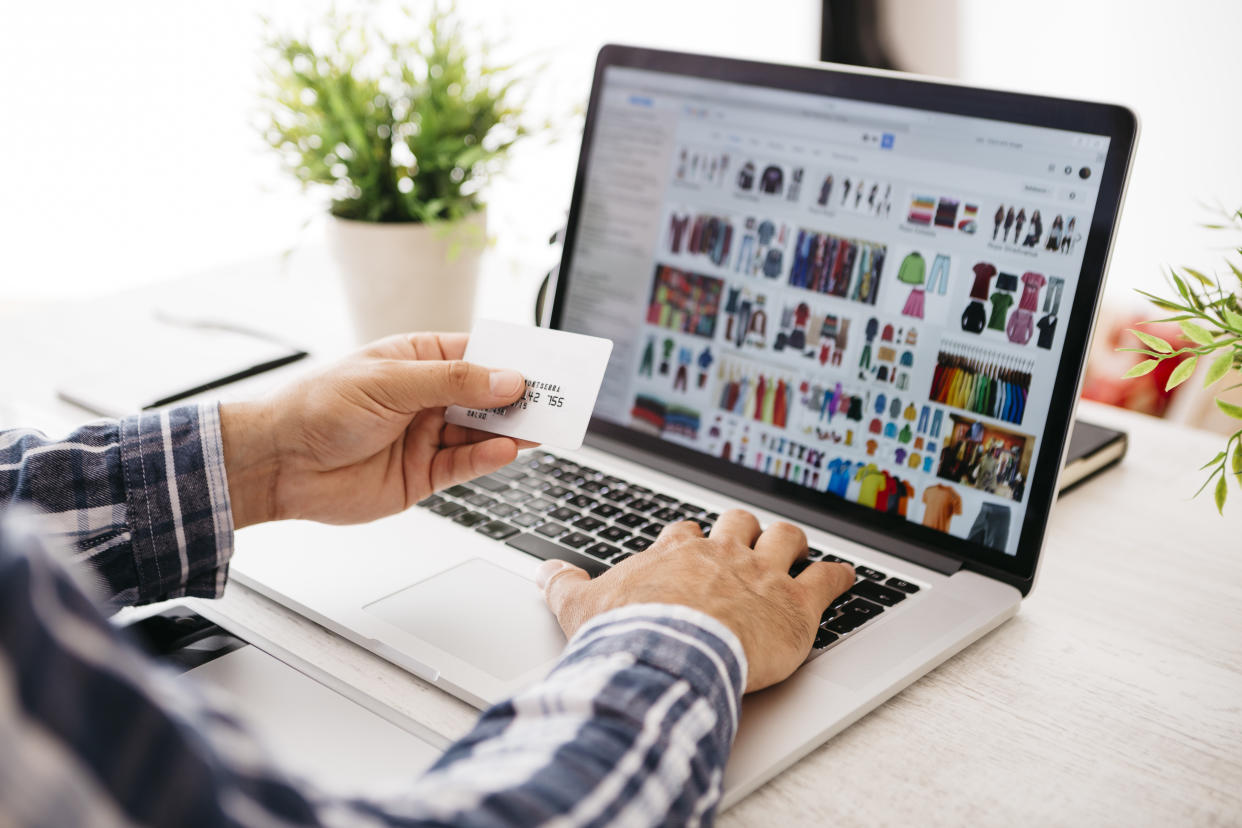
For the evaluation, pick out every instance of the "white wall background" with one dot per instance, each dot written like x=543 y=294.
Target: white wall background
x=126 y=152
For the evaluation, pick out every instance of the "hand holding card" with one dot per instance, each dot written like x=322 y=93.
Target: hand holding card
x=563 y=374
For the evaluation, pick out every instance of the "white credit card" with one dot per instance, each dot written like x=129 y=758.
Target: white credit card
x=563 y=374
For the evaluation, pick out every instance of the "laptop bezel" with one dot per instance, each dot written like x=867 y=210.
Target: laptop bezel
x=825 y=511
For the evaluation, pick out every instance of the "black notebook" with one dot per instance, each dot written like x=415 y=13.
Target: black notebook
x=1092 y=449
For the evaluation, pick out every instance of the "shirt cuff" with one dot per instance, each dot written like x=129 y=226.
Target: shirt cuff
x=679 y=640
x=177 y=498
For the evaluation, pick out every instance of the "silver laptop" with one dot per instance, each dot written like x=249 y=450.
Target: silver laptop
x=857 y=301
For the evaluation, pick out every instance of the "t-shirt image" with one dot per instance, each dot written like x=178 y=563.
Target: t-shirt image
x=940 y=504
x=1001 y=303
x=839 y=481
x=983 y=280
x=1032 y=282
x=1047 y=329
x=872 y=480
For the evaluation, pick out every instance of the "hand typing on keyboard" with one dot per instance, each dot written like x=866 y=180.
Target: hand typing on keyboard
x=739 y=574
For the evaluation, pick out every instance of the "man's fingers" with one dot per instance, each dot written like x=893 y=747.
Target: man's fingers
x=781 y=544
x=466 y=462
x=680 y=529
x=562 y=585
x=824 y=581
x=736 y=525
x=414 y=386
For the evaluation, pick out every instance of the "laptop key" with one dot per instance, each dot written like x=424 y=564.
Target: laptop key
x=814 y=554
x=574 y=540
x=798 y=567
x=606 y=510
x=469 y=519
x=904 y=586
x=459 y=491
x=823 y=638
x=828 y=556
x=593 y=486
x=630 y=520
x=862 y=608
x=448 y=509
x=614 y=534
x=491 y=483
x=528 y=519
x=637 y=543
x=588 y=524
x=619 y=558
x=868 y=572
x=878 y=593
x=603 y=551
x=481 y=500
x=557 y=492
x=551 y=530
x=511 y=472
x=652 y=529
x=563 y=513
x=431 y=501
x=541 y=504
x=504 y=510
x=665 y=499
x=642 y=505
x=691 y=509
x=497 y=530
x=581 y=501
x=705 y=526
x=545 y=549
x=667 y=515
x=516 y=496
x=843 y=624
x=618 y=495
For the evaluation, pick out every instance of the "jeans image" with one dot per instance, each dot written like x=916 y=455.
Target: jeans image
x=924 y=419
x=939 y=275
x=935 y=426
x=1052 y=296
x=991 y=527
x=744 y=255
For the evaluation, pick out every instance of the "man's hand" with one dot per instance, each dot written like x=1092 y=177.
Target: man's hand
x=739 y=576
x=366 y=437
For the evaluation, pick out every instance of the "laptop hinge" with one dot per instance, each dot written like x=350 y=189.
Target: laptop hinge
x=935 y=561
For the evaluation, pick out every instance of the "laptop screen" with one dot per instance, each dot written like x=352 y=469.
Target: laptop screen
x=863 y=301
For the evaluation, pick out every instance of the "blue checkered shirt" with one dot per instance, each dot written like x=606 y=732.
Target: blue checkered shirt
x=632 y=726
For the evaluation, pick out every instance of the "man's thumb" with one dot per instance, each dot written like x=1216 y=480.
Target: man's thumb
x=560 y=582
x=456 y=382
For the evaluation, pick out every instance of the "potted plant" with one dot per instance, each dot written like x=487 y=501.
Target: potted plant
x=401 y=133
x=1209 y=314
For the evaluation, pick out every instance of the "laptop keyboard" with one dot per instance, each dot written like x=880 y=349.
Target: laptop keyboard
x=553 y=508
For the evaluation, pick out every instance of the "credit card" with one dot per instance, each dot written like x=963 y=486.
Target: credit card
x=563 y=374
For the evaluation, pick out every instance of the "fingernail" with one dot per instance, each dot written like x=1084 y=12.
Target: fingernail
x=505 y=383
x=546 y=570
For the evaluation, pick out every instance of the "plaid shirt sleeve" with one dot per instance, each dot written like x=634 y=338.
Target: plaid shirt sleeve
x=632 y=727
x=144 y=500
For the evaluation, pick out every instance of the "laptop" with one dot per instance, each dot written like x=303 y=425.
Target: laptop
x=859 y=301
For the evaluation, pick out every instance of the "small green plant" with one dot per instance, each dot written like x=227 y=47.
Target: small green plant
x=394 y=128
x=1210 y=317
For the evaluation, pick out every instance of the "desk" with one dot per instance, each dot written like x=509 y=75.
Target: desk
x=1114 y=697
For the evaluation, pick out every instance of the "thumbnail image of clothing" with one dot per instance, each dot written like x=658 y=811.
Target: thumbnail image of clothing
x=914 y=303
x=772 y=181
x=644 y=369
x=938 y=280
x=872 y=480
x=840 y=472
x=837 y=266
x=746 y=176
x=1021 y=326
x=940 y=504
x=1052 y=297
x=974 y=318
x=755 y=395
x=1032 y=282
x=1047 y=330
x=980 y=385
x=1001 y=302
x=912 y=270
x=991 y=526
x=677 y=226
x=984 y=272
x=684 y=301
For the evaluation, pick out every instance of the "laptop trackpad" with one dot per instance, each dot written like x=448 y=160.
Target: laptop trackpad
x=480 y=613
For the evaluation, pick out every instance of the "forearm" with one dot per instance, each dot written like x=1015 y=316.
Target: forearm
x=633 y=725
x=143 y=501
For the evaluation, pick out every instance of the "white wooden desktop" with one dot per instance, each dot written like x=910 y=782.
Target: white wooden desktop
x=1114 y=697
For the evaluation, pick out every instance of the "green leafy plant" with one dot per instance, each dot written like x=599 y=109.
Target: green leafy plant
x=394 y=128
x=1209 y=314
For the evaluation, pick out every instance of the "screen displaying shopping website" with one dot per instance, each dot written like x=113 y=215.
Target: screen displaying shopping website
x=865 y=300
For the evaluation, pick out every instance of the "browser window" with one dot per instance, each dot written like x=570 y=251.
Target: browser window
x=861 y=299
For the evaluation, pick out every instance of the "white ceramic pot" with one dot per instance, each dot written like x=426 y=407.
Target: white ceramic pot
x=407 y=277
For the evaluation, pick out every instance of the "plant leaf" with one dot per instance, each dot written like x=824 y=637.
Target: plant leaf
x=1205 y=281
x=1222 y=492
x=1219 y=367
x=1141 y=368
x=1153 y=342
x=1237 y=461
x=1163 y=303
x=1232 y=410
x=1233 y=318
x=1197 y=333
x=1220 y=456
x=1182 y=372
